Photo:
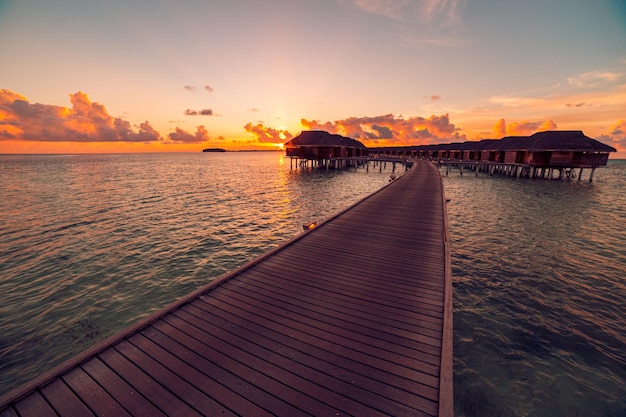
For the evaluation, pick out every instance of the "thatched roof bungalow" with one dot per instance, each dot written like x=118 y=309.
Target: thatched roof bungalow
x=551 y=149
x=318 y=145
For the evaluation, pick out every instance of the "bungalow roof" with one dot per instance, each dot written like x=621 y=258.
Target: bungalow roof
x=566 y=140
x=323 y=138
x=555 y=140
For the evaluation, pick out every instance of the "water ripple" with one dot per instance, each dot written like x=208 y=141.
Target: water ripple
x=538 y=274
x=91 y=243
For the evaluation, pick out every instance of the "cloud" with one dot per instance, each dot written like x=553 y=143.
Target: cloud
x=617 y=136
x=182 y=136
x=85 y=121
x=576 y=104
x=192 y=88
x=518 y=101
x=435 y=98
x=203 y=112
x=594 y=78
x=440 y=11
x=389 y=130
x=265 y=134
x=522 y=128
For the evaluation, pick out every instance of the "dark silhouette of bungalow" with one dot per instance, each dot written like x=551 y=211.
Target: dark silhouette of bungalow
x=320 y=145
x=551 y=149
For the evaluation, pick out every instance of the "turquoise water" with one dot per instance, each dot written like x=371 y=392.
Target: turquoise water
x=91 y=243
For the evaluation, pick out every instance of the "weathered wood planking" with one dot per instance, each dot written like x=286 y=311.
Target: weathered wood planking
x=351 y=318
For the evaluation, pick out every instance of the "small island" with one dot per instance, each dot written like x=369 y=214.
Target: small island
x=214 y=150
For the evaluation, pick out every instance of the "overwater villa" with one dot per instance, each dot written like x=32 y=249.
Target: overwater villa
x=325 y=149
x=540 y=155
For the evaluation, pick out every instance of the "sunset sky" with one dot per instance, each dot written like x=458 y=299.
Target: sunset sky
x=144 y=76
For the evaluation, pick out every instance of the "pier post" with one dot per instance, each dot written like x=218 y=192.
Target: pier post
x=593 y=170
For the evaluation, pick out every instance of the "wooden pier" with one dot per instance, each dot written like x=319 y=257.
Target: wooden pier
x=375 y=161
x=353 y=317
x=517 y=170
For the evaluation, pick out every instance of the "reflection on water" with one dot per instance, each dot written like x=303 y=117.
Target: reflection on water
x=91 y=243
x=538 y=271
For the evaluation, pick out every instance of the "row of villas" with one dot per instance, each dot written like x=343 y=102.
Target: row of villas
x=551 y=149
x=535 y=155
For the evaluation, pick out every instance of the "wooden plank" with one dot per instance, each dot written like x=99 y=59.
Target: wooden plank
x=375 y=298
x=308 y=373
x=377 y=358
x=127 y=396
x=301 y=260
x=96 y=398
x=345 y=293
x=355 y=283
x=8 y=412
x=376 y=343
x=64 y=400
x=277 y=382
x=35 y=405
x=305 y=349
x=344 y=308
x=187 y=392
x=373 y=329
x=216 y=360
x=205 y=382
x=162 y=398
x=446 y=389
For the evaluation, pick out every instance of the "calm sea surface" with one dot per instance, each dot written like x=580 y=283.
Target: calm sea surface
x=89 y=244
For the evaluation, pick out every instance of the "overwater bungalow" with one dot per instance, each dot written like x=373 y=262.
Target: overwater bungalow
x=537 y=155
x=325 y=149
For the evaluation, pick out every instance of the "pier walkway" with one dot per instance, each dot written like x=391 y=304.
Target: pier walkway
x=353 y=317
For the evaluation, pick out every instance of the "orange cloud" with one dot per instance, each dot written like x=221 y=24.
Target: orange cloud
x=523 y=128
x=265 y=134
x=389 y=130
x=86 y=121
x=182 y=136
x=617 y=136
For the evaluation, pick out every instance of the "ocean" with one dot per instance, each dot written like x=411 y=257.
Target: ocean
x=89 y=244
